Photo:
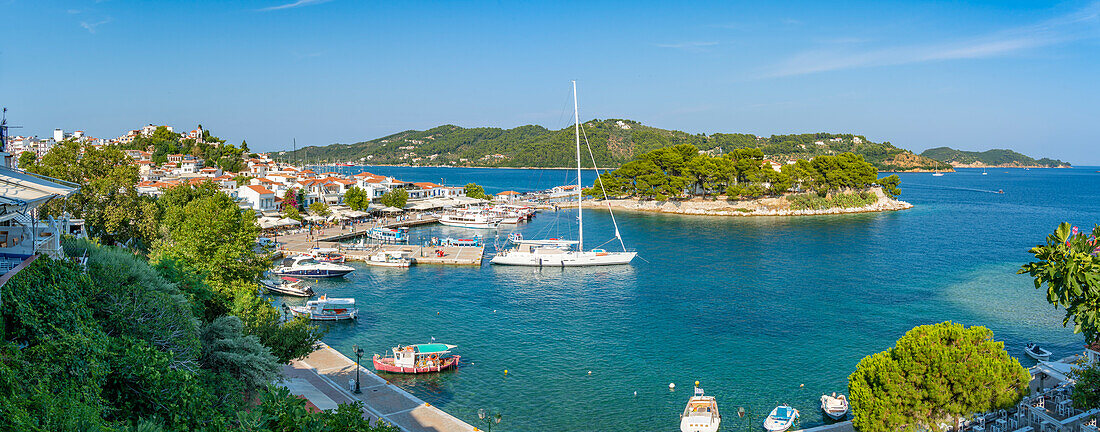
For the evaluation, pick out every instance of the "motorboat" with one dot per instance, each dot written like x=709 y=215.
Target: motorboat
x=414 y=359
x=1036 y=352
x=326 y=255
x=288 y=286
x=327 y=309
x=304 y=266
x=836 y=407
x=565 y=253
x=781 y=418
x=467 y=218
x=389 y=235
x=701 y=414
x=395 y=258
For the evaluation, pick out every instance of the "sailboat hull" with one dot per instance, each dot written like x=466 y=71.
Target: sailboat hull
x=564 y=259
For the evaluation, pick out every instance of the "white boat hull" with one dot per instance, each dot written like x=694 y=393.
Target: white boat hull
x=473 y=225
x=564 y=259
x=388 y=263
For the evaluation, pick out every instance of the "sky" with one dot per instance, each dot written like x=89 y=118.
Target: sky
x=971 y=75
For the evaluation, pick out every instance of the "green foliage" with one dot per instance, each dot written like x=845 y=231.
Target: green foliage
x=319 y=208
x=473 y=190
x=107 y=199
x=890 y=185
x=242 y=180
x=989 y=157
x=614 y=142
x=1086 y=389
x=27 y=159
x=356 y=198
x=395 y=198
x=227 y=350
x=842 y=200
x=1069 y=267
x=934 y=374
x=291 y=212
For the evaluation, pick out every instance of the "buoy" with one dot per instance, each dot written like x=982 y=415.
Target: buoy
x=672 y=386
x=740 y=411
x=801 y=385
x=506 y=371
x=697 y=383
x=590 y=372
x=494 y=311
x=635 y=393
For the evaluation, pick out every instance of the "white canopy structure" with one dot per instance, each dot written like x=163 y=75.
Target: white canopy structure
x=20 y=191
x=288 y=222
x=389 y=209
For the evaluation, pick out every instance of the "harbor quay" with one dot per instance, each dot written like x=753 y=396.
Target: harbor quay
x=302 y=242
x=326 y=378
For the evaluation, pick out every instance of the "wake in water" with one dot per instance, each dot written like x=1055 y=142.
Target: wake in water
x=907 y=184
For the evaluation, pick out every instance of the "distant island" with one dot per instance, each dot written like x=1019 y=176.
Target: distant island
x=614 y=142
x=1000 y=158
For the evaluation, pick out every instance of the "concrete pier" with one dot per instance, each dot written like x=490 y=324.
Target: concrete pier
x=326 y=378
x=298 y=243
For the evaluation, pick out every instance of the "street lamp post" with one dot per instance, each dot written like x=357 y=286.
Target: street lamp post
x=358 y=358
x=488 y=418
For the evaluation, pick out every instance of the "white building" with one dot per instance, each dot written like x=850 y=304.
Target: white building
x=259 y=198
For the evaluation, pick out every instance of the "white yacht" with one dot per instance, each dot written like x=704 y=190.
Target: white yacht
x=327 y=309
x=701 y=414
x=306 y=267
x=395 y=258
x=467 y=218
x=561 y=253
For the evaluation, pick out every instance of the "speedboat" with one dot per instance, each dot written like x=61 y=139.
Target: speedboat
x=781 y=418
x=1036 y=352
x=327 y=309
x=397 y=258
x=288 y=286
x=413 y=359
x=701 y=414
x=834 y=406
x=328 y=255
x=306 y=267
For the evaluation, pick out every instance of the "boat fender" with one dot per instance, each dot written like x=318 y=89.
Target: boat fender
x=671 y=386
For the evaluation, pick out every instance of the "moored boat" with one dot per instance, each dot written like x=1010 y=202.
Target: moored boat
x=389 y=235
x=288 y=286
x=834 y=406
x=306 y=267
x=327 y=309
x=701 y=414
x=421 y=358
x=1036 y=352
x=467 y=218
x=781 y=418
x=326 y=255
x=398 y=258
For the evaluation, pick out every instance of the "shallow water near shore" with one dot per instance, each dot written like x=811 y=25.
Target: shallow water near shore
x=760 y=310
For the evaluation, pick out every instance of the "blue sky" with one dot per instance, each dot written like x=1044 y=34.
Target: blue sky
x=971 y=75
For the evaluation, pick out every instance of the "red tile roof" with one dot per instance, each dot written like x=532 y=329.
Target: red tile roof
x=259 y=189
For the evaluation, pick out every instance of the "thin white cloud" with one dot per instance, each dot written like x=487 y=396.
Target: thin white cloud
x=295 y=4
x=73 y=11
x=688 y=46
x=91 y=27
x=1076 y=26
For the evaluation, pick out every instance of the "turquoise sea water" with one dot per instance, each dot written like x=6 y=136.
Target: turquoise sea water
x=760 y=310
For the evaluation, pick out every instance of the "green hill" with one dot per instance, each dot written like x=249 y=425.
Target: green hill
x=995 y=157
x=613 y=141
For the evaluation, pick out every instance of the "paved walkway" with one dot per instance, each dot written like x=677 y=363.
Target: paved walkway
x=836 y=427
x=326 y=378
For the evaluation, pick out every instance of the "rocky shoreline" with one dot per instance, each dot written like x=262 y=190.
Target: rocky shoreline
x=758 y=207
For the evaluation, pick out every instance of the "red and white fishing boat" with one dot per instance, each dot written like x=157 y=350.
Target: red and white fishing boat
x=421 y=358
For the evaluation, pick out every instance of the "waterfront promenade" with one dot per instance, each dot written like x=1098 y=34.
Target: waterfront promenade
x=330 y=237
x=326 y=378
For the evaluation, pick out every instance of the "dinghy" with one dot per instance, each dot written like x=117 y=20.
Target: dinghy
x=781 y=418
x=289 y=286
x=1036 y=352
x=701 y=414
x=836 y=407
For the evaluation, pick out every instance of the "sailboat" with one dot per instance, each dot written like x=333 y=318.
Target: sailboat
x=560 y=253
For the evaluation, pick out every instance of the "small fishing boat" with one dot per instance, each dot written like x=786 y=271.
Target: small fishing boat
x=834 y=406
x=421 y=358
x=304 y=266
x=398 y=258
x=327 y=309
x=701 y=414
x=781 y=418
x=1036 y=352
x=389 y=235
x=326 y=255
x=288 y=286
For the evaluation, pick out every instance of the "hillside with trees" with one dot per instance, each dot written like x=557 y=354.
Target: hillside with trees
x=990 y=158
x=614 y=142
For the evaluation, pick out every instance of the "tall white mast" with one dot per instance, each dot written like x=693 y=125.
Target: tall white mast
x=580 y=211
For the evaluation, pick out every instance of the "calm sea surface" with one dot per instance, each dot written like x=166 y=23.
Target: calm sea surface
x=760 y=310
